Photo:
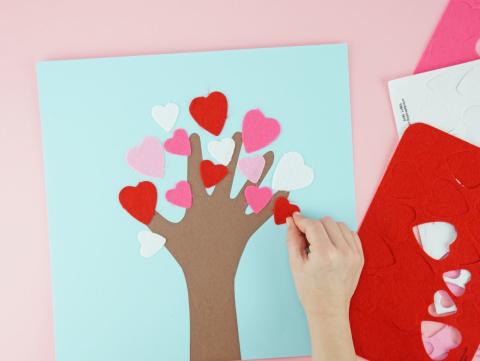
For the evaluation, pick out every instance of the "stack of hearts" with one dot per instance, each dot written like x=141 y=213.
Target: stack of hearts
x=210 y=113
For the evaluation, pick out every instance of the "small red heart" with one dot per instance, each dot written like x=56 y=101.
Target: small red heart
x=212 y=173
x=210 y=112
x=282 y=209
x=139 y=201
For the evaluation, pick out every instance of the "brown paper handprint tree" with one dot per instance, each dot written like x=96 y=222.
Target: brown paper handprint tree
x=211 y=237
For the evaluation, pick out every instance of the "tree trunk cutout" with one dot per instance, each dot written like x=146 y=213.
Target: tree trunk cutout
x=208 y=243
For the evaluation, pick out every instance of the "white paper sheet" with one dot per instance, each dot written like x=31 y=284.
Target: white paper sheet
x=447 y=98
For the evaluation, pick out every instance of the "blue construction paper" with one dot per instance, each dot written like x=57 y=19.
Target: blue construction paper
x=109 y=302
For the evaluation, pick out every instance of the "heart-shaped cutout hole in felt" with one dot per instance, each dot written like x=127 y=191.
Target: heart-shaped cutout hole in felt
x=457 y=280
x=435 y=238
x=476 y=357
x=210 y=112
x=179 y=143
x=439 y=339
x=442 y=305
x=211 y=173
x=282 y=209
x=140 y=201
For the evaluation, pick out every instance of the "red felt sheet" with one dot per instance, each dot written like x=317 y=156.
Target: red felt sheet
x=432 y=176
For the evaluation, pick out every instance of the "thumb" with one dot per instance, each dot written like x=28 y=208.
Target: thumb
x=295 y=242
x=303 y=223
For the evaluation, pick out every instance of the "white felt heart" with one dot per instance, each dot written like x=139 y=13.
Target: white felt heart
x=222 y=150
x=292 y=173
x=165 y=115
x=150 y=243
x=436 y=238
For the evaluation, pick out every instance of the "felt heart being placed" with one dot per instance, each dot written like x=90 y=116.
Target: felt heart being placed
x=212 y=173
x=252 y=168
x=150 y=243
x=283 y=209
x=179 y=143
x=139 y=201
x=181 y=195
x=147 y=158
x=165 y=115
x=210 y=112
x=257 y=197
x=258 y=131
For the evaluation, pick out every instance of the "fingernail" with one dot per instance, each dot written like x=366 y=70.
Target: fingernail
x=289 y=221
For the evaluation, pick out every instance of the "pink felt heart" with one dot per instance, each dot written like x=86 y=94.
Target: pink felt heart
x=148 y=157
x=258 y=131
x=257 y=198
x=179 y=143
x=181 y=195
x=252 y=168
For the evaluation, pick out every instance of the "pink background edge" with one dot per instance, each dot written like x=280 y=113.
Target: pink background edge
x=382 y=47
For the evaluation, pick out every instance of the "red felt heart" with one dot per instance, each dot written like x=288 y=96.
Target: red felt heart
x=212 y=173
x=210 y=112
x=465 y=166
x=446 y=200
x=282 y=209
x=139 y=201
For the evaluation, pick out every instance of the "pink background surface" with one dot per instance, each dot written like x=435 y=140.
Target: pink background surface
x=386 y=40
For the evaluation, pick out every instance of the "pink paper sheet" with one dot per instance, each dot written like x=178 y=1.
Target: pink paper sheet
x=456 y=39
x=383 y=45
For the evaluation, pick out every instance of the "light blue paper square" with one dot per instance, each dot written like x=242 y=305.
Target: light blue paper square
x=109 y=302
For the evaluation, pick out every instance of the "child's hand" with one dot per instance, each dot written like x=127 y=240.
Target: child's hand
x=326 y=276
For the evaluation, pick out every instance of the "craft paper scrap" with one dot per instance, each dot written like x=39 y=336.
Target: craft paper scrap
x=402 y=288
x=448 y=99
x=206 y=279
x=456 y=38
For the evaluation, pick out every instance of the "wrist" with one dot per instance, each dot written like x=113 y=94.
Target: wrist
x=337 y=311
x=331 y=337
x=328 y=319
